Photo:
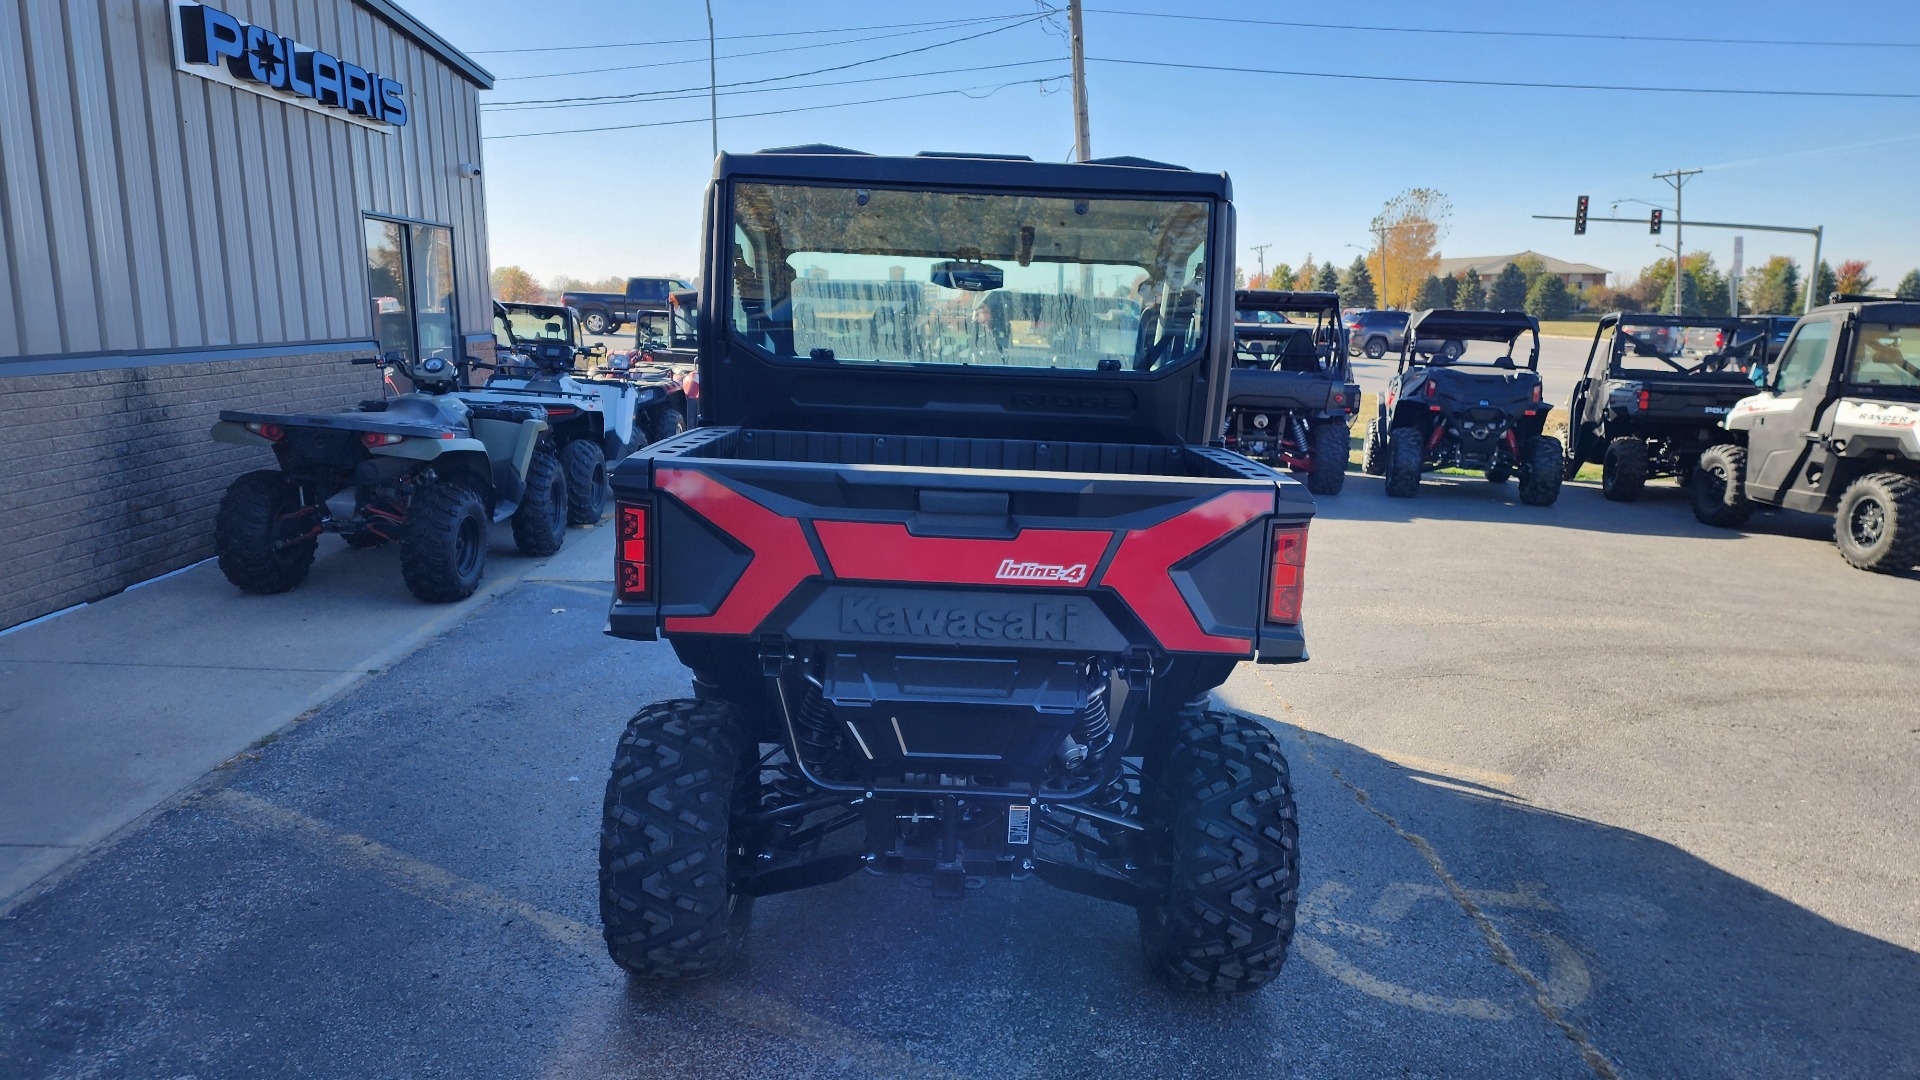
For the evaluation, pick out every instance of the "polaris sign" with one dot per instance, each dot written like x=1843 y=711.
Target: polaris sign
x=214 y=45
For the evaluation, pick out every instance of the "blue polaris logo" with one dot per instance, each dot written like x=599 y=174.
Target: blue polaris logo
x=218 y=46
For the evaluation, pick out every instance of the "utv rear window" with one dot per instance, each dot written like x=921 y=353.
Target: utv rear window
x=881 y=275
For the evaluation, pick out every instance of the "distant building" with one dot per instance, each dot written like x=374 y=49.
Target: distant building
x=1576 y=275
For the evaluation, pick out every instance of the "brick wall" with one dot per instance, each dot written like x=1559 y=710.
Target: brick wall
x=110 y=477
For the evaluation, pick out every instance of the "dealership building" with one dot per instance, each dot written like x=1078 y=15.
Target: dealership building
x=208 y=206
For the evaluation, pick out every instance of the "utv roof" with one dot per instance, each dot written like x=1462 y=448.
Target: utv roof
x=1881 y=307
x=1471 y=325
x=837 y=164
x=1718 y=322
x=1283 y=300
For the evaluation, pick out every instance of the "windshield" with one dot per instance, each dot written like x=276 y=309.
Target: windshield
x=834 y=274
x=543 y=324
x=1705 y=352
x=1885 y=355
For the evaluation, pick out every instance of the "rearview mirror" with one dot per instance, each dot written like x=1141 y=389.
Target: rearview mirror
x=970 y=276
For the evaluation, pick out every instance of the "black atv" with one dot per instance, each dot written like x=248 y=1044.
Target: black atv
x=424 y=468
x=1452 y=407
x=953 y=566
x=1291 y=396
x=1655 y=390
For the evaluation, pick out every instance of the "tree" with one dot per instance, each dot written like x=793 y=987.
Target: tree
x=613 y=283
x=1450 y=288
x=1772 y=287
x=1548 y=298
x=1407 y=235
x=1854 y=277
x=1328 y=280
x=1280 y=277
x=1509 y=292
x=516 y=286
x=1432 y=294
x=1239 y=278
x=1825 y=283
x=1707 y=288
x=1531 y=267
x=1356 y=291
x=1909 y=287
x=1303 y=278
x=1472 y=293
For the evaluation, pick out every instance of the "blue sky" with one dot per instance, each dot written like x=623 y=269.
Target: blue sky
x=1312 y=159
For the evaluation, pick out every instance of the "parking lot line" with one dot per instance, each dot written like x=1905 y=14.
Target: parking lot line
x=440 y=886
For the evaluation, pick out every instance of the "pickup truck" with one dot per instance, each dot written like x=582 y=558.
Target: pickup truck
x=606 y=313
x=1655 y=390
x=953 y=568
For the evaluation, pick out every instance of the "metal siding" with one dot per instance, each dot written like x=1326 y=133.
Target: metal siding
x=28 y=251
x=100 y=176
x=65 y=208
x=151 y=322
x=230 y=201
x=196 y=142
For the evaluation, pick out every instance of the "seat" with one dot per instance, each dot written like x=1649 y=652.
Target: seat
x=1300 y=355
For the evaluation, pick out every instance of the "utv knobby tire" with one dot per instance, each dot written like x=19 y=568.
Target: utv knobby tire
x=1220 y=789
x=1719 y=487
x=1406 y=451
x=1376 y=348
x=540 y=524
x=1373 y=450
x=1877 y=527
x=1623 y=470
x=668 y=423
x=586 y=467
x=244 y=534
x=443 y=549
x=1329 y=450
x=1540 y=477
x=667 y=906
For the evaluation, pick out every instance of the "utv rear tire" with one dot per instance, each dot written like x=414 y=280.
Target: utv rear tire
x=540 y=524
x=1373 y=450
x=1231 y=853
x=668 y=909
x=668 y=423
x=443 y=550
x=244 y=534
x=1376 y=348
x=1877 y=527
x=1719 y=487
x=1329 y=447
x=1623 y=470
x=1540 y=477
x=1405 y=451
x=586 y=467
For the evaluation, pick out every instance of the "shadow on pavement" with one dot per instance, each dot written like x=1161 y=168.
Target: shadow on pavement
x=404 y=885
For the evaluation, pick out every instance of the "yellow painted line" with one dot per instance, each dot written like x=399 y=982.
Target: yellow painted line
x=442 y=887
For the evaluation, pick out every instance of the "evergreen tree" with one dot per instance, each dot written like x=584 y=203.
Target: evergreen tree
x=1472 y=294
x=1909 y=287
x=1825 y=283
x=1328 y=280
x=1432 y=294
x=1509 y=292
x=1356 y=291
x=1450 y=285
x=1548 y=298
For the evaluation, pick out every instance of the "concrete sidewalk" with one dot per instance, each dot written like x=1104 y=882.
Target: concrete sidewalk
x=109 y=710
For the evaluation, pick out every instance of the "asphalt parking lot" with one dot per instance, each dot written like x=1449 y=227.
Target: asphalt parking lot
x=1585 y=791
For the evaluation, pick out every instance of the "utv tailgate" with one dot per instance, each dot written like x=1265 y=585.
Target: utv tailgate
x=1698 y=400
x=923 y=543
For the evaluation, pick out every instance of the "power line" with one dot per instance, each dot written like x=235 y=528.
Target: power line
x=730 y=56
x=1564 y=35
x=964 y=91
x=656 y=96
x=747 y=37
x=1709 y=90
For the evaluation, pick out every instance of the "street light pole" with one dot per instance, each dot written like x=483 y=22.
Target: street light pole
x=713 y=89
x=1081 y=148
x=1678 y=179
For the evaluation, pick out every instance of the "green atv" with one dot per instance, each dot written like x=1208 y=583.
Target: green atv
x=423 y=468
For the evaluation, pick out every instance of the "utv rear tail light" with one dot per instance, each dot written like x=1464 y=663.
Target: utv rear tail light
x=631 y=567
x=1289 y=576
x=1644 y=399
x=557 y=411
x=269 y=432
x=372 y=439
x=1433 y=390
x=1536 y=393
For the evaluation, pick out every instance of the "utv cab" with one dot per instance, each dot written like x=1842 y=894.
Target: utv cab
x=953 y=565
x=1461 y=399
x=1291 y=395
x=1655 y=390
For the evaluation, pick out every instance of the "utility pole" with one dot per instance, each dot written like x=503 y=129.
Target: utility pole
x=1260 y=251
x=713 y=89
x=1081 y=149
x=1677 y=179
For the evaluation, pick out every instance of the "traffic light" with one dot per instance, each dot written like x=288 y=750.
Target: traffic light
x=1653 y=226
x=1580 y=217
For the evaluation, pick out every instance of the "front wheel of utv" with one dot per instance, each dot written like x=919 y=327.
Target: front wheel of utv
x=540 y=524
x=265 y=545
x=1877 y=527
x=1540 y=478
x=1623 y=470
x=443 y=550
x=1405 y=451
x=1719 y=487
x=1231 y=855
x=586 y=467
x=1329 y=447
x=668 y=909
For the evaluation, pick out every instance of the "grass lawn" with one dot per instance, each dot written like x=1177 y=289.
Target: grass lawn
x=1580 y=328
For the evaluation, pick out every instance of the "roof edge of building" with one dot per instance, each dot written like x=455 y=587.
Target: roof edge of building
x=400 y=20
